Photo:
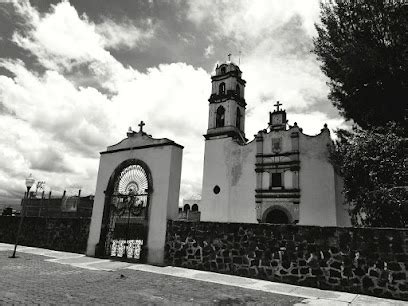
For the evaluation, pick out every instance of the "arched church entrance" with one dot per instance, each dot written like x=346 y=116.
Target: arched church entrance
x=127 y=206
x=276 y=216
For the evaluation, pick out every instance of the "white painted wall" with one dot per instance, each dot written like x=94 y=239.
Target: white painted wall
x=230 y=166
x=343 y=217
x=317 y=185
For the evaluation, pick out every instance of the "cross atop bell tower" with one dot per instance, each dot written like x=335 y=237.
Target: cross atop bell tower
x=227 y=103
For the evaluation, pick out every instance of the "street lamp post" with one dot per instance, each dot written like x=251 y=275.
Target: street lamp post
x=29 y=182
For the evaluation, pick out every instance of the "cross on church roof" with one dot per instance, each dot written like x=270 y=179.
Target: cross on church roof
x=229 y=57
x=141 y=124
x=277 y=105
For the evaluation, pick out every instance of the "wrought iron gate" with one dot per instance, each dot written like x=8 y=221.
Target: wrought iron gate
x=128 y=221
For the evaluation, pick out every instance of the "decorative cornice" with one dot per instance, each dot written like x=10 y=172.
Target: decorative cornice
x=229 y=95
x=277 y=196
x=232 y=132
x=277 y=154
x=144 y=147
x=292 y=165
x=228 y=74
x=293 y=190
x=291 y=162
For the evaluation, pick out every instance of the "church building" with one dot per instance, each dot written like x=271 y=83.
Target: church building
x=281 y=176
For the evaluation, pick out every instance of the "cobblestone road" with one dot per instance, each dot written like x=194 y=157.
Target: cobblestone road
x=31 y=280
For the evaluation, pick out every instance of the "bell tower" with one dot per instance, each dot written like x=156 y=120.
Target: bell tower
x=227 y=104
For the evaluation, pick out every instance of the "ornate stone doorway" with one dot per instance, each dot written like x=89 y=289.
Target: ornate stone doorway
x=127 y=204
x=276 y=216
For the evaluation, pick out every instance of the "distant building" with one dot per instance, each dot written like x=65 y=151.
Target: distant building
x=190 y=210
x=59 y=207
x=281 y=176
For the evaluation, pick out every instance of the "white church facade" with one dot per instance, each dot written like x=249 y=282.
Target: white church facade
x=281 y=176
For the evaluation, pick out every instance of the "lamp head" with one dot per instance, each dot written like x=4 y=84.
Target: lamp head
x=29 y=181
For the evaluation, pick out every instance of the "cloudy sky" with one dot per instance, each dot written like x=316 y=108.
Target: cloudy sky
x=75 y=75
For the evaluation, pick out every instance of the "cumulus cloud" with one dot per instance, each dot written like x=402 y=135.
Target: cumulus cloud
x=247 y=19
x=62 y=41
x=53 y=104
x=56 y=128
x=125 y=34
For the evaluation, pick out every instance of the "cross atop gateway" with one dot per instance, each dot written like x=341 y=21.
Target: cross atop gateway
x=277 y=105
x=141 y=124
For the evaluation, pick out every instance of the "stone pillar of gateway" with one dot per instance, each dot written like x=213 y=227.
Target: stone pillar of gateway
x=137 y=191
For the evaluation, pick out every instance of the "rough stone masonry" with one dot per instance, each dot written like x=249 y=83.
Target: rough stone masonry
x=370 y=261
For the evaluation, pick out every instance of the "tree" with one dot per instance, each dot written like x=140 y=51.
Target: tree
x=363 y=47
x=374 y=165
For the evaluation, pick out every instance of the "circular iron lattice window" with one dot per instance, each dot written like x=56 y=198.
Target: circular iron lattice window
x=133 y=179
x=217 y=189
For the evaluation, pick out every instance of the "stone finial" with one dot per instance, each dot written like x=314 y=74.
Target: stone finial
x=295 y=124
x=130 y=132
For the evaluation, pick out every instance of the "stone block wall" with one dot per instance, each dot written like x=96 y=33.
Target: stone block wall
x=370 y=261
x=59 y=234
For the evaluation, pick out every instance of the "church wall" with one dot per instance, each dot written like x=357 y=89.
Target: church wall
x=242 y=180
x=60 y=234
x=214 y=207
x=317 y=184
x=231 y=167
x=174 y=182
x=343 y=217
x=158 y=160
x=358 y=260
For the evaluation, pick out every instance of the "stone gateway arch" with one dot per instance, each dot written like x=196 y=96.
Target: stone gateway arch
x=137 y=191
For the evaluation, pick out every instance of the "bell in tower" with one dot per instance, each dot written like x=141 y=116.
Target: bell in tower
x=227 y=104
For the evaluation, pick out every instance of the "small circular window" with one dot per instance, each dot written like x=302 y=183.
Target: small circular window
x=217 y=189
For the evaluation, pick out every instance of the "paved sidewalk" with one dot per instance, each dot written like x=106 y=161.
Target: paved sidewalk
x=75 y=278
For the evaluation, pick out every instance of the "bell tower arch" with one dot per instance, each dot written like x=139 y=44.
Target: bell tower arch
x=227 y=104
